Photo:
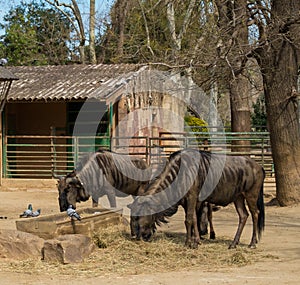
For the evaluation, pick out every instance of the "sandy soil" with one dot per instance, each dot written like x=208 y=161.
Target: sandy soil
x=281 y=240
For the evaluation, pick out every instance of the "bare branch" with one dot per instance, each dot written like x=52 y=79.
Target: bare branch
x=172 y=25
x=147 y=29
x=177 y=39
x=176 y=66
x=187 y=19
x=76 y=12
x=152 y=8
x=57 y=5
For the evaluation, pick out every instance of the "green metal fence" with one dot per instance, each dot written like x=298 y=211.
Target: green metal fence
x=258 y=145
x=40 y=156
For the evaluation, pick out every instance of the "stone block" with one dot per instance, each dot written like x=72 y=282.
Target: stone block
x=19 y=245
x=66 y=249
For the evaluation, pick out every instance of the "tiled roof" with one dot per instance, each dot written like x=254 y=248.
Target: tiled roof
x=65 y=82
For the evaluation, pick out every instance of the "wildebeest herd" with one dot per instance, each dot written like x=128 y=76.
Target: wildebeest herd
x=194 y=179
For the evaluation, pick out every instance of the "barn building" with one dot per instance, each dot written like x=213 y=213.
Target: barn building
x=55 y=113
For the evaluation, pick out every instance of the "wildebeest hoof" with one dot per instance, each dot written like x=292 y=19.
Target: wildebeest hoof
x=232 y=246
x=252 y=246
x=212 y=235
x=192 y=245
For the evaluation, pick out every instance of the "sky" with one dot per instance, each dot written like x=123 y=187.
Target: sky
x=101 y=6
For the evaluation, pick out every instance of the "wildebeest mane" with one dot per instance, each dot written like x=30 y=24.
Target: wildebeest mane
x=110 y=171
x=177 y=188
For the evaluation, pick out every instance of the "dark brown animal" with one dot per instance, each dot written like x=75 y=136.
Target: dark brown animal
x=103 y=173
x=193 y=176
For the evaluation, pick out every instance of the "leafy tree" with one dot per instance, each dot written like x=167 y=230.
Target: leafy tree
x=35 y=35
x=139 y=32
x=259 y=116
x=197 y=125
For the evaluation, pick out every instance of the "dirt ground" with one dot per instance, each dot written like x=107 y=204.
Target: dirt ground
x=280 y=240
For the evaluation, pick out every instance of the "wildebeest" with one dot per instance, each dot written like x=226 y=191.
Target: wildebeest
x=102 y=173
x=193 y=176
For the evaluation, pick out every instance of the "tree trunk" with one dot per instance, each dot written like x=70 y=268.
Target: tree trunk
x=233 y=26
x=279 y=64
x=81 y=33
x=93 y=59
x=239 y=86
x=240 y=112
x=121 y=10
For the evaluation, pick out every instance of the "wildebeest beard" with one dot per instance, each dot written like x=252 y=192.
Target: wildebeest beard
x=71 y=191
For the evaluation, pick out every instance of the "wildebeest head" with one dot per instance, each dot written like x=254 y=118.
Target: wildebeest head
x=142 y=226
x=70 y=191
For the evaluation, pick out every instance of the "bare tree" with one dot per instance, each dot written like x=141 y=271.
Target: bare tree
x=77 y=23
x=278 y=54
x=276 y=47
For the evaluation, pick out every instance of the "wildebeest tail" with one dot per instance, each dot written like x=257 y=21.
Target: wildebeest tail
x=261 y=208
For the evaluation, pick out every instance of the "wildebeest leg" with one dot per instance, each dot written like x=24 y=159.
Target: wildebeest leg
x=134 y=226
x=192 y=232
x=202 y=218
x=191 y=223
x=112 y=200
x=94 y=203
x=240 y=207
x=254 y=214
x=188 y=227
x=212 y=234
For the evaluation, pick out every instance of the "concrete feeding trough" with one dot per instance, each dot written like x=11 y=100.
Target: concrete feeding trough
x=51 y=226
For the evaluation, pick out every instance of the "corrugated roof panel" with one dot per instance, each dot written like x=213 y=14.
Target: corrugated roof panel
x=63 y=82
x=5 y=74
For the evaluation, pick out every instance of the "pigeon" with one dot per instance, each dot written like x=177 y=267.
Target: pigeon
x=27 y=213
x=3 y=61
x=73 y=214
x=36 y=213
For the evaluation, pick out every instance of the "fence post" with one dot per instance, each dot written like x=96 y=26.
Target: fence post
x=263 y=152
x=76 y=149
x=147 y=150
x=53 y=155
x=4 y=157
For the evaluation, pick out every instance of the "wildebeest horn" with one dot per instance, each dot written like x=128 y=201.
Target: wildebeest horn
x=72 y=180
x=59 y=177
